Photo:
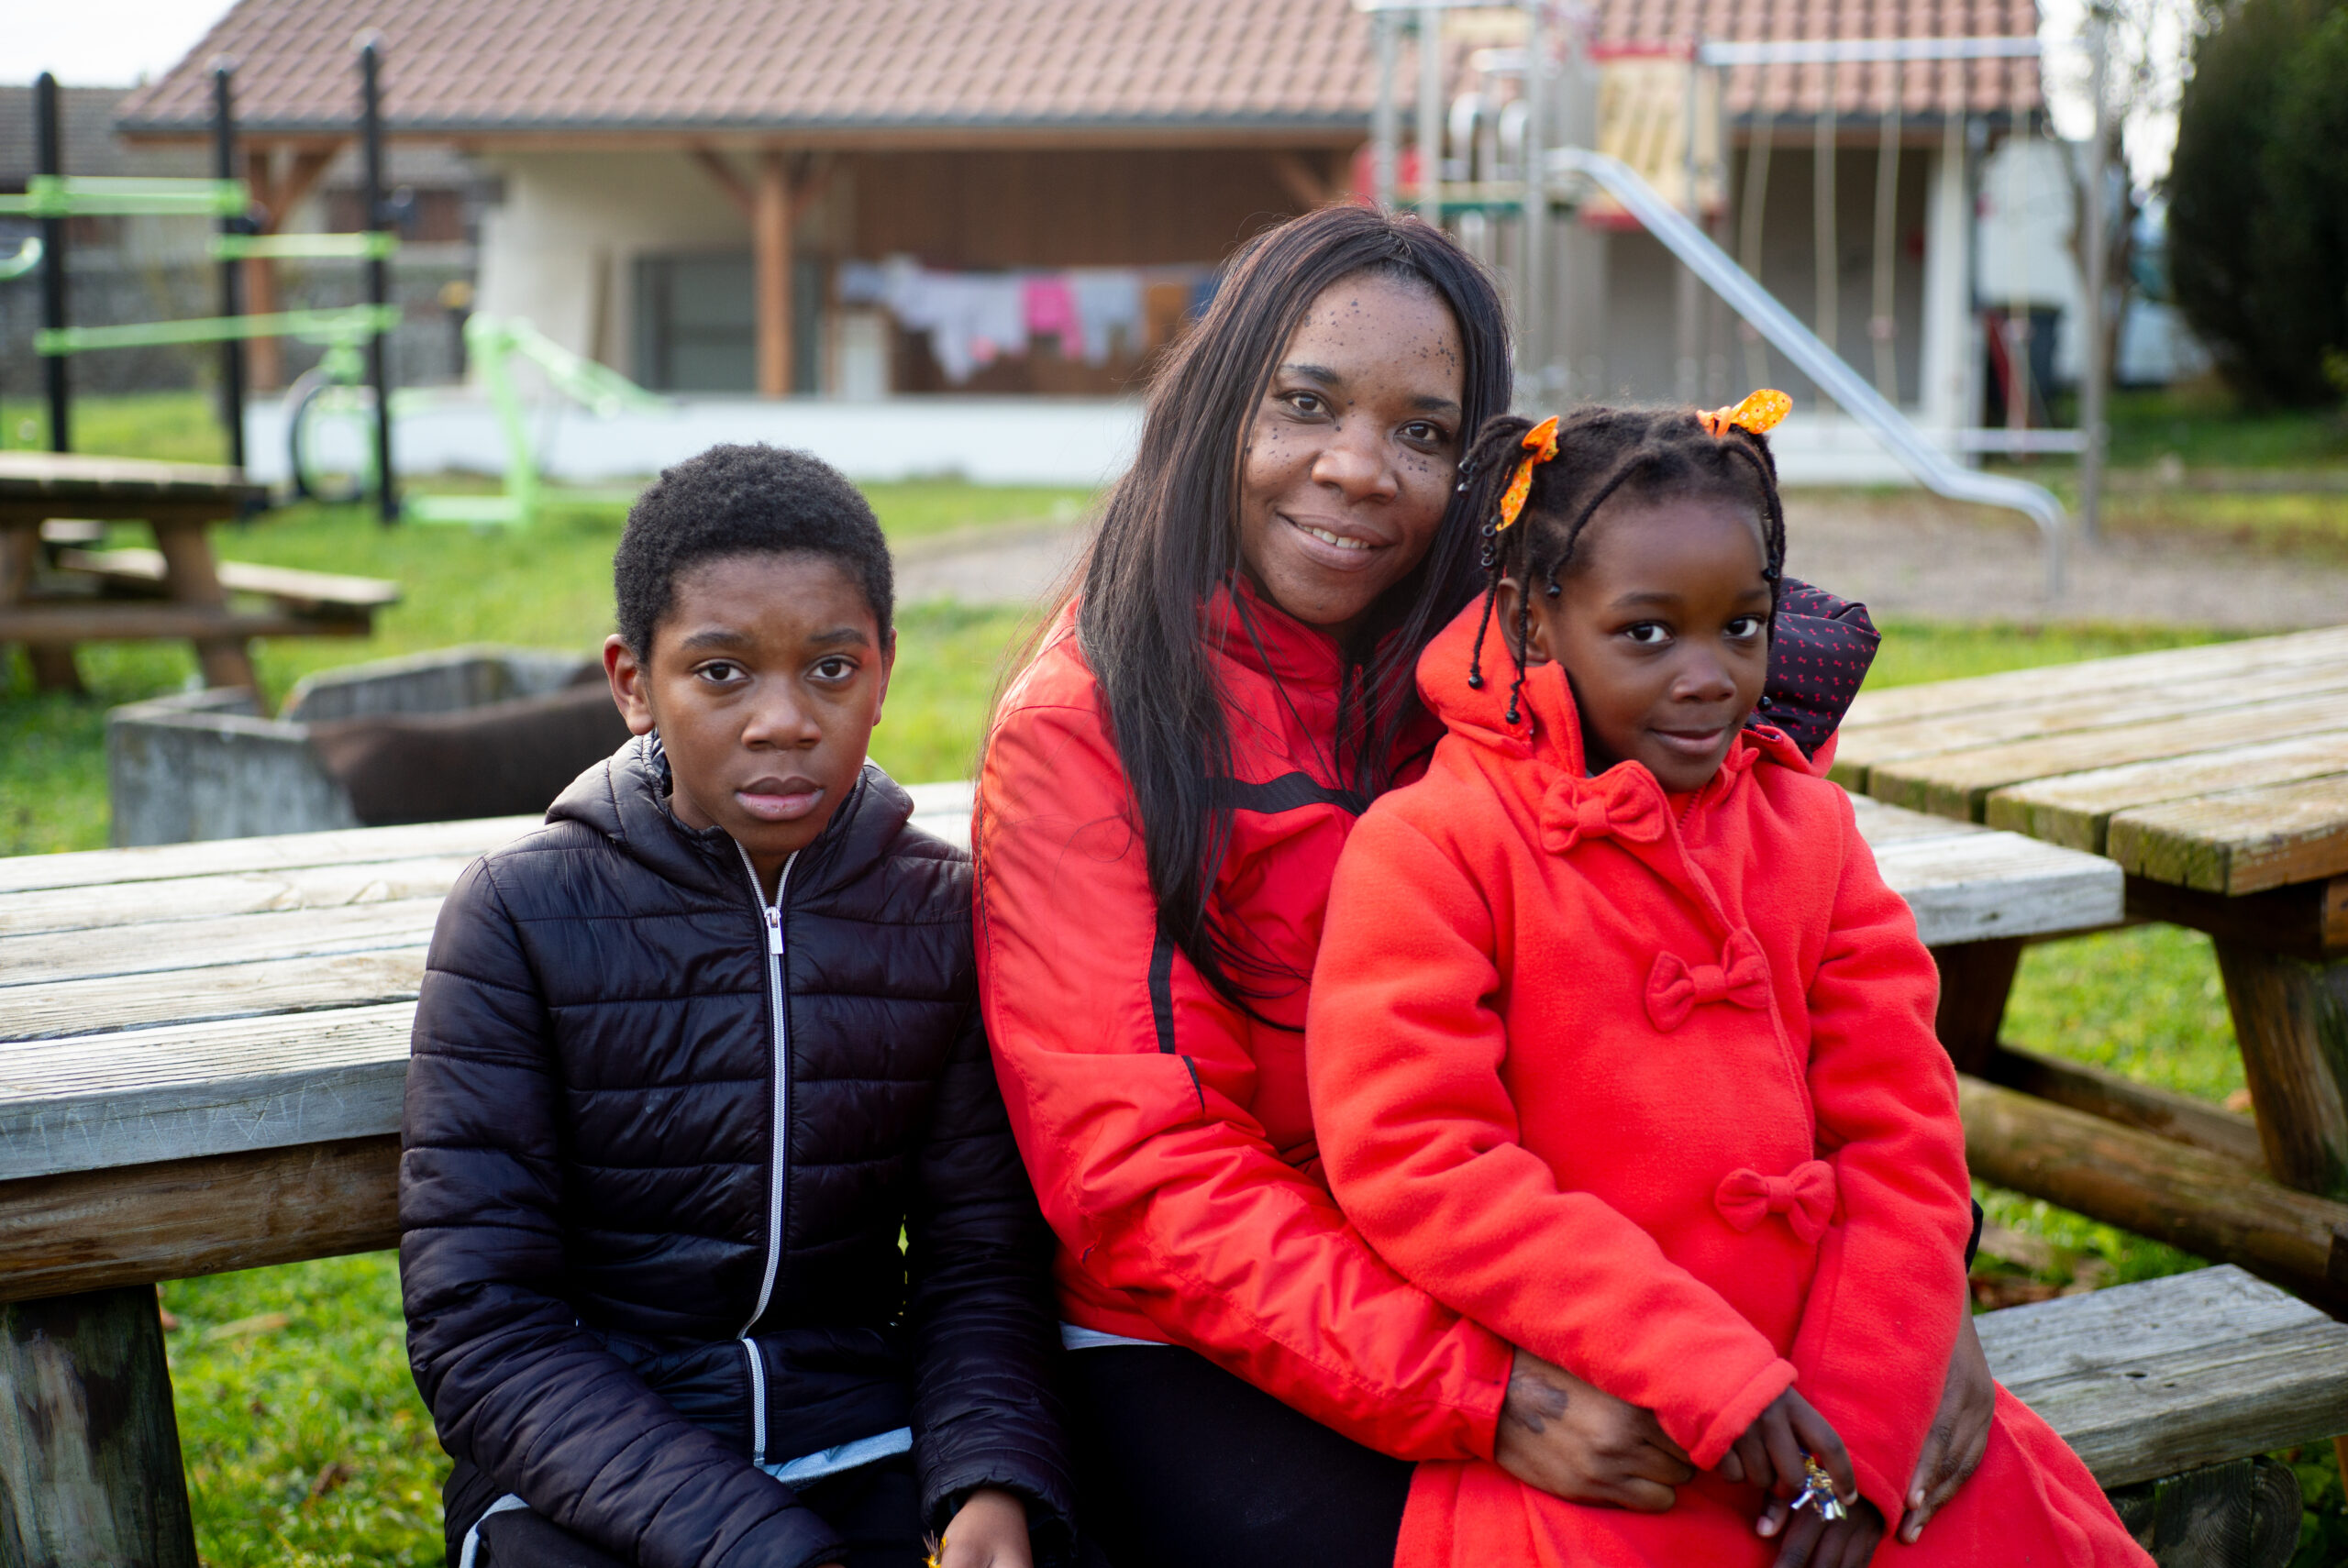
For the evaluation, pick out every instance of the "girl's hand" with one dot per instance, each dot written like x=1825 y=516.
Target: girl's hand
x=989 y=1530
x=1560 y=1435
x=1770 y=1454
x=1811 y=1542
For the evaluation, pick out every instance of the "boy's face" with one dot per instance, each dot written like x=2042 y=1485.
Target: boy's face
x=765 y=680
x=1662 y=625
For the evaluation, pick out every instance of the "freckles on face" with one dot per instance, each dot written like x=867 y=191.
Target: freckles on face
x=1662 y=628
x=1348 y=461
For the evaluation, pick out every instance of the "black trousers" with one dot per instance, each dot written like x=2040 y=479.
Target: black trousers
x=1179 y=1463
x=876 y=1506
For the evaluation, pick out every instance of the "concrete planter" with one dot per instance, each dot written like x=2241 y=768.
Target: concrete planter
x=203 y=764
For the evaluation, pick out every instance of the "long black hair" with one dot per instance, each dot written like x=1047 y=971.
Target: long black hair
x=1601 y=452
x=1169 y=540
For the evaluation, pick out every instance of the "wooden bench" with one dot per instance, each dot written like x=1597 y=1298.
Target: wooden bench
x=176 y=590
x=205 y=1044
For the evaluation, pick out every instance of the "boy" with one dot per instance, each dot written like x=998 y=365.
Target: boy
x=688 y=1062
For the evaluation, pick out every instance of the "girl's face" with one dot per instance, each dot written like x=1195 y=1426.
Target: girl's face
x=1662 y=626
x=1350 y=460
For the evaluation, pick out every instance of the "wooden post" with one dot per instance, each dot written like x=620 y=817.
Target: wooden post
x=771 y=246
x=190 y=576
x=1976 y=978
x=90 y=1470
x=265 y=363
x=52 y=662
x=2292 y=1020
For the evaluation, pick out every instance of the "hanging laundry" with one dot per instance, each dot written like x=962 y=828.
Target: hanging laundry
x=1108 y=307
x=1050 y=307
x=1166 y=306
x=861 y=282
x=973 y=318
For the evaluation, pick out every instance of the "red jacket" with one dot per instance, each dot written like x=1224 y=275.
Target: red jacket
x=1169 y=1135
x=1648 y=1085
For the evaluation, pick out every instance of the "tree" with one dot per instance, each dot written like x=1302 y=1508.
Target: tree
x=2258 y=196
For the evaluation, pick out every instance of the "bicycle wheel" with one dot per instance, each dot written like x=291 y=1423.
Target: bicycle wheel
x=315 y=401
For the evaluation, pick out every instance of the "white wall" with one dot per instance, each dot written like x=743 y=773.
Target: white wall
x=560 y=249
x=2023 y=253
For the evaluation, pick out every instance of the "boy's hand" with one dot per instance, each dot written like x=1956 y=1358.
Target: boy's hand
x=989 y=1531
x=1811 y=1542
x=1770 y=1454
x=1559 y=1434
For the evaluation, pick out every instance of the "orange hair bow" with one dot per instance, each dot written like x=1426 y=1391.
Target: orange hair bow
x=1540 y=445
x=1759 y=413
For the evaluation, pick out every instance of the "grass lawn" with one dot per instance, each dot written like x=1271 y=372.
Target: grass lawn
x=305 y=1443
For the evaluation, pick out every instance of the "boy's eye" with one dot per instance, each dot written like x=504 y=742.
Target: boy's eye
x=722 y=671
x=834 y=669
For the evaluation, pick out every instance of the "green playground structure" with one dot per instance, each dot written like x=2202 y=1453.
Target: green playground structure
x=53 y=196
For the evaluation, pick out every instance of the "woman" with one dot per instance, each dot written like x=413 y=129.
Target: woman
x=1161 y=805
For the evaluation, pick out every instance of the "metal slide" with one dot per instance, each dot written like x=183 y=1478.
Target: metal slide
x=1933 y=467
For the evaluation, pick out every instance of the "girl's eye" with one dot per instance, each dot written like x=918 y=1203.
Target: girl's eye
x=1744 y=627
x=1648 y=634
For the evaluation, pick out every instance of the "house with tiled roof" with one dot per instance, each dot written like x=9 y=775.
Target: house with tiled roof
x=738 y=194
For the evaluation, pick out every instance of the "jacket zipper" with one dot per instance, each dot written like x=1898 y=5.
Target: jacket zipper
x=771 y=916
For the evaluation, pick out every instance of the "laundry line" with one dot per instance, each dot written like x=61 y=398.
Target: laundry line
x=975 y=317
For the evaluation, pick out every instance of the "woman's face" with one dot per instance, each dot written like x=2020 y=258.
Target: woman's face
x=1350 y=459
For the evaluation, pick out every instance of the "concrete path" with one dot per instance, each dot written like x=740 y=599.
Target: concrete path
x=1905 y=555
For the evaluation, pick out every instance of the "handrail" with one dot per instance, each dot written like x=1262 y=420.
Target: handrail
x=1832 y=374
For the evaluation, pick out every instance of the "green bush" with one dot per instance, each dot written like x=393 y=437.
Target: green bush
x=2258 y=198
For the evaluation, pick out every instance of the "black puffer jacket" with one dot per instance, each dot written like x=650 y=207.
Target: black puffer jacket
x=613 y=1305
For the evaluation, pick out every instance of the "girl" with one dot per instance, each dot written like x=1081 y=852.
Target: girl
x=1620 y=1045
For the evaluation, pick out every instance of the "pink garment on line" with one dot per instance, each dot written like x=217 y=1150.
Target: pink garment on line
x=1051 y=311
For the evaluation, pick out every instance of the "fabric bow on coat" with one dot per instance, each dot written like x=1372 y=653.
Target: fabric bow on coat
x=1622 y=802
x=1805 y=1196
x=1676 y=988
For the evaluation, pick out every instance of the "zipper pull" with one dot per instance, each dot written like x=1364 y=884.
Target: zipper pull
x=774 y=928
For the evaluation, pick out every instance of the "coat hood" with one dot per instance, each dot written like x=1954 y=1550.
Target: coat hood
x=626 y=798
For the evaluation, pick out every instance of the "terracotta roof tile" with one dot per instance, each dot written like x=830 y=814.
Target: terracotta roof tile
x=486 y=66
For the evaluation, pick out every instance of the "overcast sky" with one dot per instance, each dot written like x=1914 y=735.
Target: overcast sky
x=106 y=42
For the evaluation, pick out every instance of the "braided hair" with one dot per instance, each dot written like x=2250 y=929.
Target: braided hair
x=1601 y=452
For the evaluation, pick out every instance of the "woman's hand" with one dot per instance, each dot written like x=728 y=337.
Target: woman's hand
x=989 y=1530
x=1959 y=1434
x=1560 y=1435
x=1770 y=1453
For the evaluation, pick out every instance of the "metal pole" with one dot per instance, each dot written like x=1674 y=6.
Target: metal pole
x=2091 y=392
x=379 y=345
x=50 y=158
x=1431 y=114
x=1533 y=315
x=232 y=350
x=1821 y=197
x=1385 y=128
x=1687 y=292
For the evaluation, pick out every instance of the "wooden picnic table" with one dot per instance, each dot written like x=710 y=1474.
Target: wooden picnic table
x=202 y=1048
x=2215 y=779
x=176 y=590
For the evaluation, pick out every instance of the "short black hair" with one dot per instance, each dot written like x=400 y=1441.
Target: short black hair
x=739 y=501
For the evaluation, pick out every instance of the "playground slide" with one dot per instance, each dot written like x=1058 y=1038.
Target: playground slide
x=1933 y=467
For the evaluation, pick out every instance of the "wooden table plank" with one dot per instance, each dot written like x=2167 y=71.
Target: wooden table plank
x=190 y=947
x=227 y=857
x=178 y=899
x=2244 y=840
x=1979 y=888
x=61 y=476
x=1960 y=784
x=92 y=1102
x=1877 y=746
x=230 y=991
x=2053 y=682
x=2148 y=1379
x=2074 y=809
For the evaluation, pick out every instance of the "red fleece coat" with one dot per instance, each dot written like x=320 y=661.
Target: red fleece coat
x=1648 y=1085
x=1168 y=1134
